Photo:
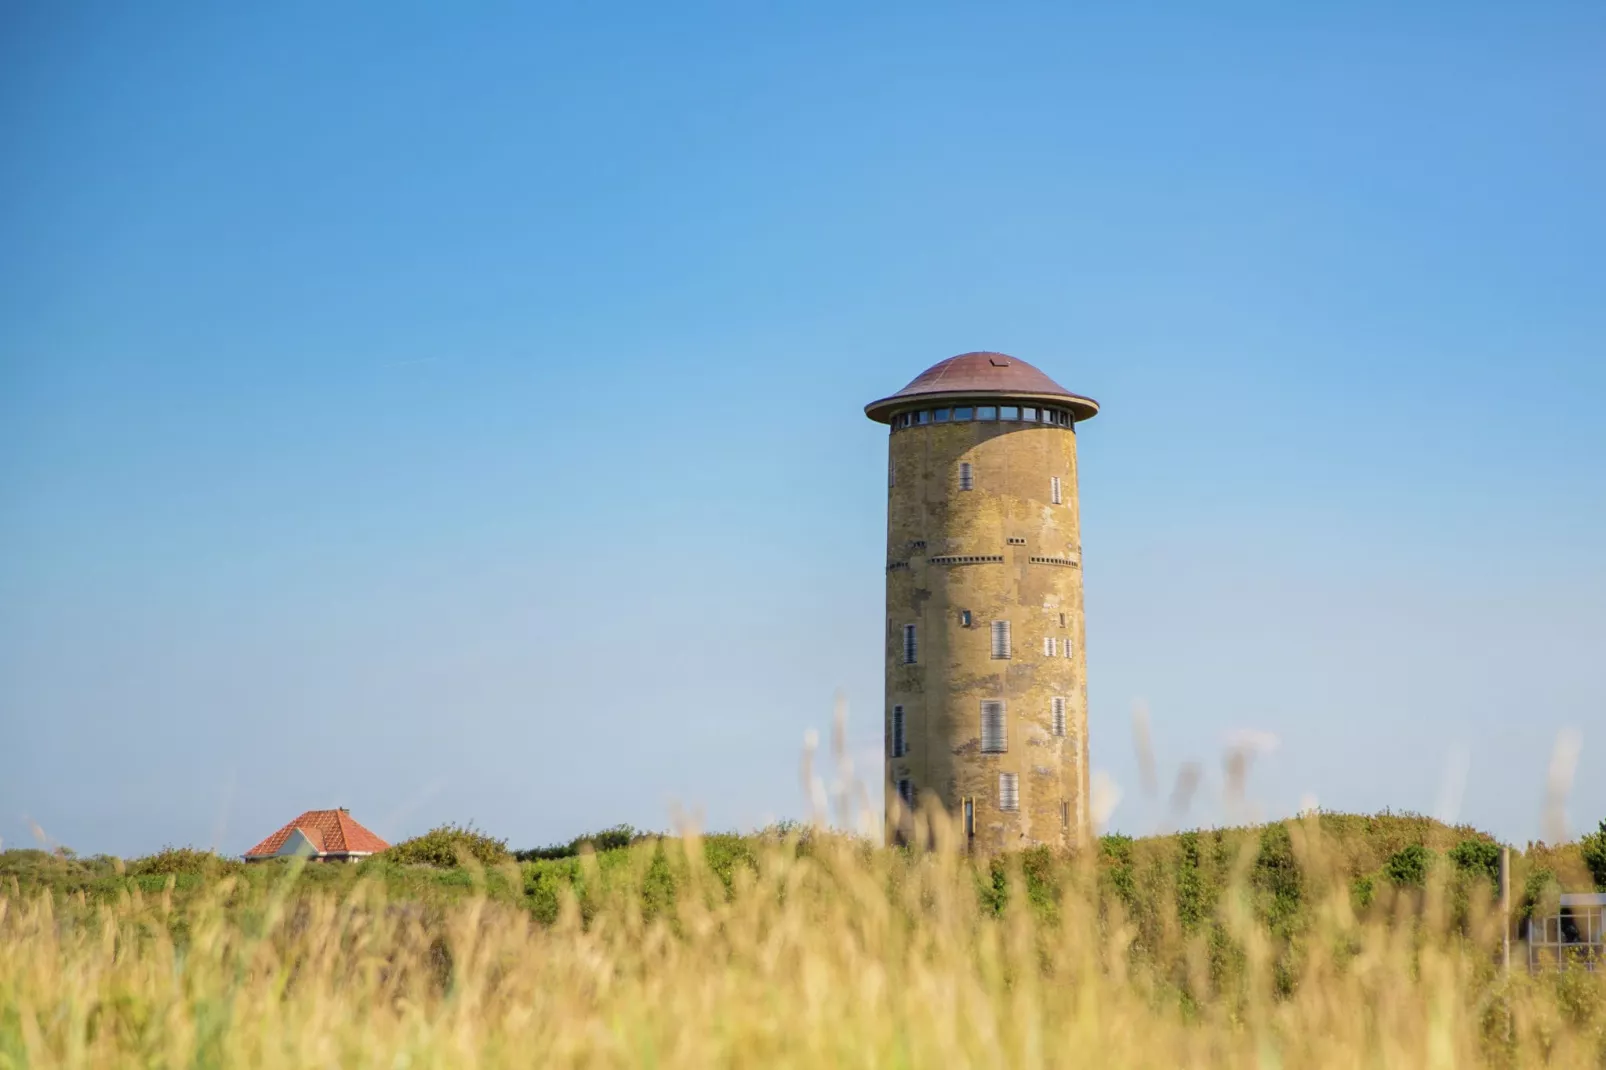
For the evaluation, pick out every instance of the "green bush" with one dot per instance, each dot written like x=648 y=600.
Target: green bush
x=1408 y=867
x=1477 y=857
x=609 y=839
x=1593 y=848
x=172 y=861
x=446 y=845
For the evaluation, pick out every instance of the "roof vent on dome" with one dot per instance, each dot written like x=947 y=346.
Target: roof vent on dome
x=998 y=362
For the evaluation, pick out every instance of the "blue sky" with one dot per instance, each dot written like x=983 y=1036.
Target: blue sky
x=457 y=416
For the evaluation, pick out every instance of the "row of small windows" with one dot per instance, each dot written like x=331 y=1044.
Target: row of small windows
x=994 y=726
x=980 y=559
x=1029 y=414
x=1002 y=645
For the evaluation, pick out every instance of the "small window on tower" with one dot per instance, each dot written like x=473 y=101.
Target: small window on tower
x=1068 y=648
x=1001 y=639
x=1048 y=646
x=924 y=417
x=910 y=648
x=967 y=478
x=940 y=416
x=1062 y=620
x=1054 y=489
x=962 y=412
x=1065 y=813
x=986 y=412
x=906 y=792
x=899 y=744
x=1009 y=791
x=964 y=618
x=1058 y=709
x=1009 y=412
x=994 y=734
x=1029 y=414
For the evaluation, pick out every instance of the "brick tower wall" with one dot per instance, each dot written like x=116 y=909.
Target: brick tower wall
x=1003 y=551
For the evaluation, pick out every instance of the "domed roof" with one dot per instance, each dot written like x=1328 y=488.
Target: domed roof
x=974 y=375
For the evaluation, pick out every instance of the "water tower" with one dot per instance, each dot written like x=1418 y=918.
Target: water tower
x=986 y=693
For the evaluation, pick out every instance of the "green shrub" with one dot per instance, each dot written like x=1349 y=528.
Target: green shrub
x=609 y=839
x=172 y=861
x=446 y=845
x=1593 y=848
x=1477 y=857
x=1408 y=867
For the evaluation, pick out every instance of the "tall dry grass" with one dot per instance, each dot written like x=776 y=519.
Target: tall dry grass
x=824 y=953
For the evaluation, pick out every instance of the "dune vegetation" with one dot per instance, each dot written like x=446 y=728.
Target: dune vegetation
x=1326 y=941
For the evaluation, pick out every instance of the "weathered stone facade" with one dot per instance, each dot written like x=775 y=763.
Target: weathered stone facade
x=966 y=549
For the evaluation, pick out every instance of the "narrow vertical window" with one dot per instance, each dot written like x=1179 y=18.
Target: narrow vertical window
x=910 y=648
x=967 y=478
x=1001 y=639
x=1065 y=813
x=964 y=618
x=1059 y=715
x=1062 y=620
x=1068 y=648
x=906 y=792
x=1054 y=489
x=968 y=809
x=994 y=734
x=1048 y=646
x=892 y=474
x=1009 y=791
x=899 y=746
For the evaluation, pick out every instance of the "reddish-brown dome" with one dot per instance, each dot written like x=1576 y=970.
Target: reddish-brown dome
x=974 y=375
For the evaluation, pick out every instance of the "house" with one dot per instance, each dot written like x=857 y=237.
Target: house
x=322 y=836
x=1574 y=933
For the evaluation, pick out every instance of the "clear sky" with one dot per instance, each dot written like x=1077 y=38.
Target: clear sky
x=458 y=415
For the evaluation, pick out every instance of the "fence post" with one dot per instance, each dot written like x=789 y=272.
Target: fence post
x=1505 y=906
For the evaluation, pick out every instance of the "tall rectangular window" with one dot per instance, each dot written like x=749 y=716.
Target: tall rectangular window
x=1009 y=791
x=1054 y=490
x=1059 y=715
x=967 y=809
x=906 y=792
x=1048 y=646
x=910 y=648
x=1065 y=813
x=892 y=474
x=967 y=477
x=1000 y=638
x=899 y=746
x=1068 y=648
x=994 y=733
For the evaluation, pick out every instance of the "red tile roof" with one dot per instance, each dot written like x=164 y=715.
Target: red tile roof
x=978 y=375
x=330 y=831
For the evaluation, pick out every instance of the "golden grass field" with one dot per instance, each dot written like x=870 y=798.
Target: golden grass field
x=822 y=952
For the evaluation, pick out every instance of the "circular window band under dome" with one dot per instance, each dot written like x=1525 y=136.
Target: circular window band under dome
x=958 y=414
